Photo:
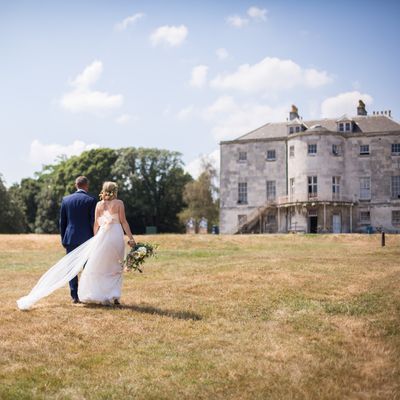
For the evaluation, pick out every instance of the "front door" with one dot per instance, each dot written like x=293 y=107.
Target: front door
x=336 y=223
x=313 y=223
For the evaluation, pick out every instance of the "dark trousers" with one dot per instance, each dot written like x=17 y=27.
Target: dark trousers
x=73 y=283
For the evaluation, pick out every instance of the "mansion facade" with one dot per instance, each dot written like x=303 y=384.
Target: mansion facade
x=329 y=175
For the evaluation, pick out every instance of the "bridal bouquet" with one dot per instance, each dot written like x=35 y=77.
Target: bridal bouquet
x=136 y=257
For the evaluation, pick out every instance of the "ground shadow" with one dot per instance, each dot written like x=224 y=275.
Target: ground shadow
x=147 y=309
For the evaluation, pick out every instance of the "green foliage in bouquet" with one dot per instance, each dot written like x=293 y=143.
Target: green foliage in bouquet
x=136 y=257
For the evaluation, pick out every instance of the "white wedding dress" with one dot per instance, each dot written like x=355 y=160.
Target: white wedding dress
x=100 y=259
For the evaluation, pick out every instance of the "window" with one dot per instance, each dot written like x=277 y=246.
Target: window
x=365 y=217
x=271 y=190
x=335 y=187
x=336 y=149
x=345 y=127
x=242 y=193
x=297 y=129
x=312 y=149
x=396 y=217
x=291 y=151
x=291 y=189
x=365 y=188
x=271 y=155
x=242 y=219
x=364 y=150
x=396 y=187
x=291 y=129
x=242 y=156
x=271 y=219
x=312 y=187
x=395 y=149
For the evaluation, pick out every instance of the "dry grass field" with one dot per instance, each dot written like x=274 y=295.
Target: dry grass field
x=214 y=317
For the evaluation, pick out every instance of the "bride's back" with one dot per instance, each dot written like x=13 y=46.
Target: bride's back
x=114 y=207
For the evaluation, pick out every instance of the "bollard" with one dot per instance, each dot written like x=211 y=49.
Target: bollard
x=383 y=239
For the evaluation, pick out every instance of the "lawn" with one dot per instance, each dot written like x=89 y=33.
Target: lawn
x=213 y=317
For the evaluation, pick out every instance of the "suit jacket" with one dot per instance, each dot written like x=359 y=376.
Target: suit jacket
x=77 y=218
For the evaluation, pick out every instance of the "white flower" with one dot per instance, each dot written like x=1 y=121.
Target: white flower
x=142 y=250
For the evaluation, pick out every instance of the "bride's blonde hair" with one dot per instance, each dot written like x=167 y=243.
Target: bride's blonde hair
x=109 y=191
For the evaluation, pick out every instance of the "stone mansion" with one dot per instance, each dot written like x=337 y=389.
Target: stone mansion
x=328 y=175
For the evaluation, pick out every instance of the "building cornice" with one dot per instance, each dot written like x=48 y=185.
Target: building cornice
x=345 y=135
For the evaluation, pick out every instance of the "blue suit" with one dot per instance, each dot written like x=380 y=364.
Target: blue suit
x=76 y=225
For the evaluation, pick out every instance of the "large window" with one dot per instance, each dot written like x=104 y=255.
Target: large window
x=242 y=156
x=291 y=151
x=395 y=149
x=365 y=217
x=396 y=217
x=365 y=188
x=396 y=187
x=242 y=193
x=271 y=190
x=312 y=149
x=291 y=189
x=271 y=155
x=336 y=150
x=364 y=150
x=312 y=187
x=335 y=187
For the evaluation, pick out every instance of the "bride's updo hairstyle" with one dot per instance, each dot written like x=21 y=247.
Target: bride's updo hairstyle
x=109 y=191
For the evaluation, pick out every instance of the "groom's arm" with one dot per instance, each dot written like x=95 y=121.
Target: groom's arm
x=63 y=220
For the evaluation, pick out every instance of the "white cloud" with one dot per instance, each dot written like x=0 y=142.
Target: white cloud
x=247 y=118
x=222 y=53
x=271 y=73
x=344 y=103
x=256 y=13
x=237 y=21
x=185 y=113
x=83 y=99
x=231 y=119
x=199 y=76
x=122 y=25
x=169 y=35
x=47 y=153
x=125 y=118
x=194 y=167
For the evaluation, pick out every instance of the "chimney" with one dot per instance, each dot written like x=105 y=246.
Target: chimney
x=361 y=108
x=294 y=113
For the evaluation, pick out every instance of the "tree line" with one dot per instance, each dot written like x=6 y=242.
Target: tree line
x=152 y=183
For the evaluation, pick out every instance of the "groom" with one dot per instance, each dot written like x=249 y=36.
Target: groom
x=76 y=222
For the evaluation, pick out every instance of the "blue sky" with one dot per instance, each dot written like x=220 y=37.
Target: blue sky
x=182 y=75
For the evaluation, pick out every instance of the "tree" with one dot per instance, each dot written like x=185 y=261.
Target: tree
x=26 y=194
x=201 y=196
x=12 y=218
x=151 y=183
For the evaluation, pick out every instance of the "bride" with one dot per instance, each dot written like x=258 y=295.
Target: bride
x=100 y=257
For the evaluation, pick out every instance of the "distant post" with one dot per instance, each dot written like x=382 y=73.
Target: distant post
x=191 y=226
x=383 y=239
x=203 y=226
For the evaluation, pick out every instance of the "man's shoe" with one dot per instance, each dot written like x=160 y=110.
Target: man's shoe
x=116 y=302
x=76 y=301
